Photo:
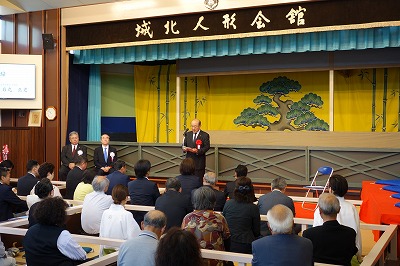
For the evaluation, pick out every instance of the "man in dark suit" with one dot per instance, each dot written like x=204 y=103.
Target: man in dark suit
x=118 y=176
x=282 y=247
x=69 y=154
x=173 y=203
x=196 y=144
x=142 y=191
x=240 y=171
x=105 y=156
x=9 y=202
x=210 y=179
x=28 y=181
x=75 y=176
x=333 y=243
x=276 y=196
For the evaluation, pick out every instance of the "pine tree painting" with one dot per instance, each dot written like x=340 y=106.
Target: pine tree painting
x=293 y=116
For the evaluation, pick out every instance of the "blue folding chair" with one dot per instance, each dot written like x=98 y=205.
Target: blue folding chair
x=324 y=170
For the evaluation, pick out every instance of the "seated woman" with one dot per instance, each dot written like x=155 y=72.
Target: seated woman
x=117 y=222
x=209 y=227
x=47 y=170
x=47 y=242
x=85 y=187
x=348 y=214
x=187 y=178
x=178 y=248
x=43 y=189
x=243 y=216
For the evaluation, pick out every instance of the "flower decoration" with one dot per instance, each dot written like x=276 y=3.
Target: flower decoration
x=112 y=155
x=199 y=142
x=80 y=152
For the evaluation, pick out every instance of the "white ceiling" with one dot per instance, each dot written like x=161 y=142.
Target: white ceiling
x=20 y=6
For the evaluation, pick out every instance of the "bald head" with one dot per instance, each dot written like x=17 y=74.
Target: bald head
x=280 y=219
x=195 y=124
x=155 y=221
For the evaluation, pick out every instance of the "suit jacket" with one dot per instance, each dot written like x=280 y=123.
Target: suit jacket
x=282 y=250
x=99 y=161
x=25 y=184
x=116 y=178
x=220 y=202
x=269 y=200
x=175 y=206
x=74 y=177
x=199 y=157
x=229 y=188
x=10 y=203
x=333 y=243
x=189 y=183
x=142 y=192
x=66 y=154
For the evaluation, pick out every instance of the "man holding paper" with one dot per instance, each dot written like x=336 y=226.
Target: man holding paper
x=196 y=144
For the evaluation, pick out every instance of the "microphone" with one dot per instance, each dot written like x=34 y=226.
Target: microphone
x=184 y=133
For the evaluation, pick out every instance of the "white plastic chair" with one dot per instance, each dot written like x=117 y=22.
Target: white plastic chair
x=324 y=170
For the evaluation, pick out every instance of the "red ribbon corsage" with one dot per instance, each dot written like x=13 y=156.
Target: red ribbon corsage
x=198 y=143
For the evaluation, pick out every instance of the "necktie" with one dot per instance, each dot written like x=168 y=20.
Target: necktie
x=74 y=150
x=105 y=154
x=194 y=136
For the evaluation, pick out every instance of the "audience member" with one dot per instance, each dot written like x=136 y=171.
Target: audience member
x=276 y=196
x=46 y=170
x=85 y=187
x=210 y=179
x=282 y=248
x=4 y=259
x=142 y=191
x=141 y=250
x=240 y=171
x=333 y=243
x=196 y=144
x=116 y=222
x=178 y=248
x=69 y=155
x=105 y=156
x=209 y=227
x=173 y=203
x=348 y=214
x=75 y=176
x=43 y=189
x=26 y=183
x=242 y=216
x=7 y=164
x=47 y=242
x=187 y=178
x=94 y=204
x=118 y=176
x=9 y=202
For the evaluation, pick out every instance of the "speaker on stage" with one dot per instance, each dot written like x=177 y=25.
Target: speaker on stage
x=48 y=41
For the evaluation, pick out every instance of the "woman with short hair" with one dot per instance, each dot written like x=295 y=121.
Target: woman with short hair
x=47 y=242
x=209 y=227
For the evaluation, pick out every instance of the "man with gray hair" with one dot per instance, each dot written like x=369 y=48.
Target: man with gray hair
x=276 y=196
x=140 y=251
x=69 y=154
x=333 y=243
x=94 y=204
x=283 y=248
x=173 y=203
x=210 y=179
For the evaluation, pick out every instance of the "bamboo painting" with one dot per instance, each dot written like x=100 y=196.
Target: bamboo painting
x=385 y=85
x=373 y=100
x=158 y=104
x=167 y=104
x=185 y=104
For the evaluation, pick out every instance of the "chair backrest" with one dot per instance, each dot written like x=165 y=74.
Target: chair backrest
x=325 y=170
